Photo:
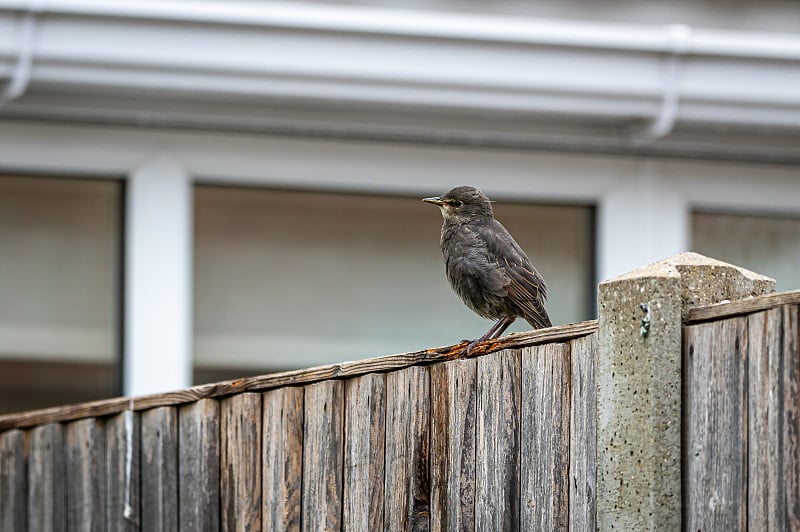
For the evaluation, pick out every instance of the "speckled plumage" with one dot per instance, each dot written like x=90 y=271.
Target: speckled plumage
x=485 y=266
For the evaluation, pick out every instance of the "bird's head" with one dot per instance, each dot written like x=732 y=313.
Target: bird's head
x=463 y=204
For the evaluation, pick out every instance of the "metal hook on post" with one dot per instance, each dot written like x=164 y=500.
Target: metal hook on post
x=678 y=37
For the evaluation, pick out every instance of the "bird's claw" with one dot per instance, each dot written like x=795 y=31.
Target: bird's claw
x=465 y=352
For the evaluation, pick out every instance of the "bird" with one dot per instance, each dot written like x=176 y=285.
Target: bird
x=485 y=266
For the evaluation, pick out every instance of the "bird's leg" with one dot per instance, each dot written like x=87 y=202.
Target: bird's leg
x=500 y=330
x=501 y=325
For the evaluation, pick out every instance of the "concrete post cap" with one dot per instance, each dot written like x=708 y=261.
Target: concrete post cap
x=702 y=280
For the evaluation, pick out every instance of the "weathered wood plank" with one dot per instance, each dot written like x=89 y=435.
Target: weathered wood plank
x=545 y=427
x=305 y=376
x=240 y=462
x=282 y=479
x=198 y=465
x=583 y=433
x=791 y=415
x=715 y=365
x=13 y=481
x=323 y=455
x=122 y=477
x=453 y=403
x=365 y=429
x=497 y=481
x=159 y=470
x=47 y=479
x=742 y=306
x=86 y=476
x=406 y=481
x=766 y=508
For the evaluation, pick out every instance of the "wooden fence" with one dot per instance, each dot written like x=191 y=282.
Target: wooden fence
x=741 y=452
x=502 y=441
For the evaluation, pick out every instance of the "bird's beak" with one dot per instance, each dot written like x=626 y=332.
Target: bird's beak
x=436 y=201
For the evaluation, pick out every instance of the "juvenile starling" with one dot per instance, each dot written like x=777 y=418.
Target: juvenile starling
x=485 y=266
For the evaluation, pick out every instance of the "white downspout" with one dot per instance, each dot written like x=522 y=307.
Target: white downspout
x=677 y=37
x=21 y=76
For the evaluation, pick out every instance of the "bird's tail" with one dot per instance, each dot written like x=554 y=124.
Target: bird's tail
x=540 y=320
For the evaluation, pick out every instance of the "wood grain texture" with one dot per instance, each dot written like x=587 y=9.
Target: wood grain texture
x=407 y=479
x=791 y=415
x=497 y=481
x=715 y=454
x=453 y=430
x=159 y=470
x=86 y=476
x=198 y=465
x=13 y=481
x=122 y=489
x=364 y=449
x=583 y=434
x=545 y=435
x=323 y=448
x=47 y=479
x=742 y=306
x=240 y=463
x=766 y=508
x=282 y=480
x=305 y=376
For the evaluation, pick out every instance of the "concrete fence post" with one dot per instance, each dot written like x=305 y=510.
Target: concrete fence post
x=639 y=383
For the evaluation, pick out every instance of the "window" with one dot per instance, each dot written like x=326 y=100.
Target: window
x=59 y=291
x=768 y=245
x=287 y=279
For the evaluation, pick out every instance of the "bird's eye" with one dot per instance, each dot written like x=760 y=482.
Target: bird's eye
x=456 y=203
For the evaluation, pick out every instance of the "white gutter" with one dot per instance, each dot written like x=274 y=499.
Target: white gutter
x=323 y=56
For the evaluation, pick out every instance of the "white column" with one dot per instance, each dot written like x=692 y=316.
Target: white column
x=641 y=220
x=158 y=274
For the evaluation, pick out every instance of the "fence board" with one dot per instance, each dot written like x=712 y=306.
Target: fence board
x=407 y=482
x=159 y=470
x=715 y=455
x=47 y=474
x=122 y=484
x=323 y=444
x=765 y=505
x=791 y=415
x=544 y=433
x=365 y=431
x=240 y=462
x=453 y=403
x=583 y=429
x=497 y=481
x=86 y=476
x=13 y=481
x=198 y=465
x=282 y=480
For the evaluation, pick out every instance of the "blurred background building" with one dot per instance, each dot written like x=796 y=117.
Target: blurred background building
x=192 y=191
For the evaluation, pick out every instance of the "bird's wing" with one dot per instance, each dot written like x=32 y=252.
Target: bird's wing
x=525 y=287
x=475 y=277
x=528 y=291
